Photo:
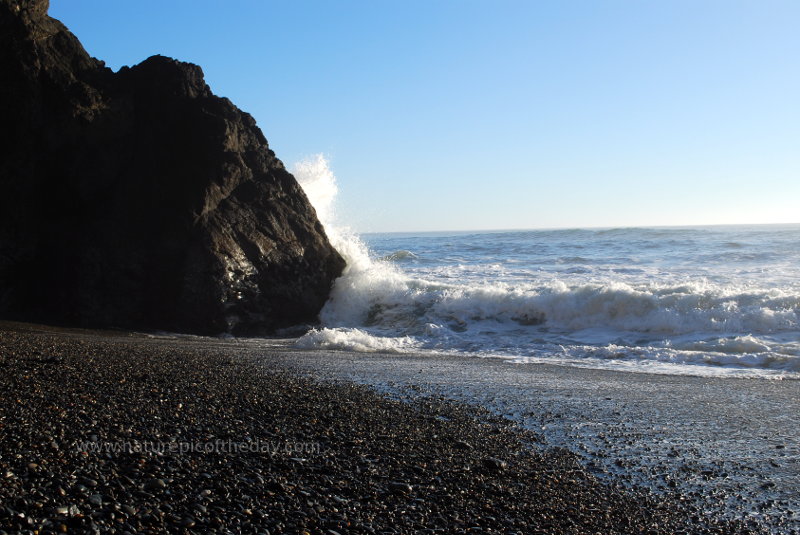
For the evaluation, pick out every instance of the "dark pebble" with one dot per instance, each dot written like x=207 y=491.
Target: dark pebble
x=494 y=463
x=399 y=487
x=380 y=465
x=155 y=484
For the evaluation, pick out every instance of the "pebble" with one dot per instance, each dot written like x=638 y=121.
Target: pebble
x=384 y=467
x=494 y=463
x=155 y=484
x=399 y=487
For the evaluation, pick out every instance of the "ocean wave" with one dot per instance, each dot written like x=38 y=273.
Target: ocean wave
x=469 y=299
x=622 y=322
x=703 y=362
x=670 y=361
x=354 y=340
x=487 y=317
x=400 y=256
x=383 y=296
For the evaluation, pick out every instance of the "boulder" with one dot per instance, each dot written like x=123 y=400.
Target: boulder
x=139 y=199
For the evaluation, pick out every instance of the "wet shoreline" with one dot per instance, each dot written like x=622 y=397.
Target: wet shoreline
x=730 y=443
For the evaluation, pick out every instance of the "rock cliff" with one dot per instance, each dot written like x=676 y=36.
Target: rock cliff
x=139 y=199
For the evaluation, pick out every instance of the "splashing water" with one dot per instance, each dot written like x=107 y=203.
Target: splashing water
x=363 y=281
x=319 y=184
x=688 y=301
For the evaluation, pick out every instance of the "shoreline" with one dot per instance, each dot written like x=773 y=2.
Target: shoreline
x=728 y=442
x=341 y=458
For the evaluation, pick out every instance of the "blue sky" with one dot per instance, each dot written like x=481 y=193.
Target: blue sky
x=464 y=115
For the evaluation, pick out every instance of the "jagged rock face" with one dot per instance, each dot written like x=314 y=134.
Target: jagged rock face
x=138 y=199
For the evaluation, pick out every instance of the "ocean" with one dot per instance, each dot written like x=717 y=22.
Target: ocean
x=721 y=300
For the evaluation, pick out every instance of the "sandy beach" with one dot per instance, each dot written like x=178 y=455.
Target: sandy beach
x=140 y=433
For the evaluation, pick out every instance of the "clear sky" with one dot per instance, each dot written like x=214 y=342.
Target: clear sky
x=465 y=114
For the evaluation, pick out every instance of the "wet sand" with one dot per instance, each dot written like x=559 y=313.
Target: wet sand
x=252 y=436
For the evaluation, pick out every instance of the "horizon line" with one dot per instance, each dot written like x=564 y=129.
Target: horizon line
x=598 y=227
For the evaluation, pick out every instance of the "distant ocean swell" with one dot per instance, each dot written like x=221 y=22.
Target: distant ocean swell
x=527 y=297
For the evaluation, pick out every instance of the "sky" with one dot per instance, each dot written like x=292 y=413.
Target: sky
x=503 y=114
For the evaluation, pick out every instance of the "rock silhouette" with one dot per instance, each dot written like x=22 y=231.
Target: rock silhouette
x=139 y=199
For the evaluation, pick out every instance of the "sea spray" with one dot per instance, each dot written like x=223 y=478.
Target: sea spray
x=319 y=184
x=365 y=282
x=659 y=300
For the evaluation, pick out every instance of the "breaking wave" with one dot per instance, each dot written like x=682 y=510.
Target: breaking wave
x=577 y=309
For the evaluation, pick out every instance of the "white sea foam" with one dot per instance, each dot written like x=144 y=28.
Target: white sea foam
x=319 y=184
x=508 y=295
x=364 y=281
x=355 y=340
x=383 y=297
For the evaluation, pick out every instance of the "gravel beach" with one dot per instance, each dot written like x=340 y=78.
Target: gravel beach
x=110 y=432
x=729 y=444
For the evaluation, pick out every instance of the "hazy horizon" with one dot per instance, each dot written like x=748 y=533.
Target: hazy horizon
x=470 y=115
x=597 y=228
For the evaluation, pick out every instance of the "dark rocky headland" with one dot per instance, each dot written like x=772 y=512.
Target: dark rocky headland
x=139 y=199
x=346 y=460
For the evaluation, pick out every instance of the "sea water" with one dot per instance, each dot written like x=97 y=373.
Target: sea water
x=721 y=300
